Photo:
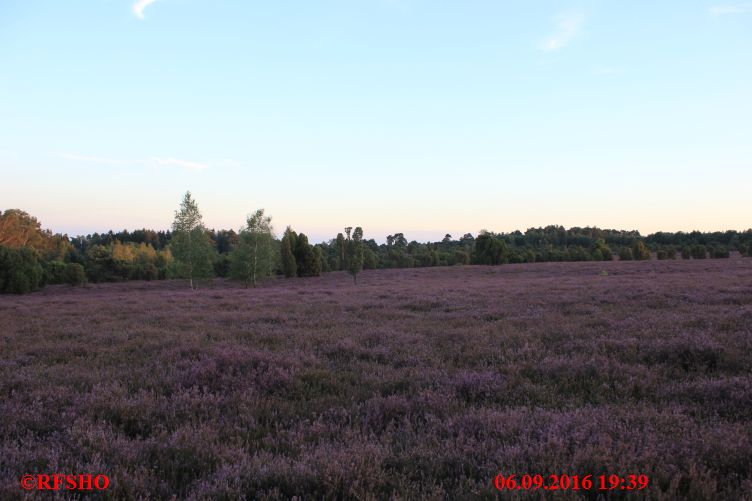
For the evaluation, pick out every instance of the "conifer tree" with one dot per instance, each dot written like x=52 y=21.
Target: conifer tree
x=340 y=248
x=305 y=257
x=289 y=266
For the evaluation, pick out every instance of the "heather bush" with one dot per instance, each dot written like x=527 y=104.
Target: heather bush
x=423 y=385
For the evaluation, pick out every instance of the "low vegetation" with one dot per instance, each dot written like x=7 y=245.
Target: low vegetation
x=413 y=384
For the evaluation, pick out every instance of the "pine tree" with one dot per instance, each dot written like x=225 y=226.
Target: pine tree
x=289 y=266
x=340 y=248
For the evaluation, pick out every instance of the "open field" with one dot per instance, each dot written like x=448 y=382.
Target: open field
x=412 y=384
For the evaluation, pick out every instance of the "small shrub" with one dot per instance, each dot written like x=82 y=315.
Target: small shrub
x=719 y=253
x=148 y=272
x=20 y=272
x=625 y=254
x=686 y=253
x=662 y=255
x=222 y=265
x=461 y=257
x=640 y=252
x=699 y=252
x=54 y=272
x=75 y=274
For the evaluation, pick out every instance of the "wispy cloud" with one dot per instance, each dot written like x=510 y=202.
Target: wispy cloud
x=150 y=162
x=174 y=162
x=89 y=158
x=738 y=8
x=140 y=5
x=567 y=28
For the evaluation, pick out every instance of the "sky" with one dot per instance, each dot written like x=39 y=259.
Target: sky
x=413 y=116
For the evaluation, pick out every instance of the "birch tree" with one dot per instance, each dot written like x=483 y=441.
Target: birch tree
x=253 y=257
x=190 y=244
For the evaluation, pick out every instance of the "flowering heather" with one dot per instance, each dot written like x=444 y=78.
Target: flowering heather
x=416 y=383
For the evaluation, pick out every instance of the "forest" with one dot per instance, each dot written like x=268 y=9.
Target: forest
x=31 y=257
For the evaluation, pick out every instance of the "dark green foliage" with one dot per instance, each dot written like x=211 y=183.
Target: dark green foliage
x=224 y=241
x=640 y=252
x=625 y=254
x=100 y=265
x=54 y=272
x=605 y=250
x=319 y=263
x=719 y=253
x=661 y=255
x=490 y=250
x=20 y=271
x=686 y=252
x=340 y=252
x=671 y=252
x=221 y=265
x=699 y=252
x=461 y=257
x=146 y=271
x=354 y=254
x=370 y=259
x=529 y=256
x=577 y=253
x=305 y=258
x=321 y=251
x=289 y=266
x=76 y=275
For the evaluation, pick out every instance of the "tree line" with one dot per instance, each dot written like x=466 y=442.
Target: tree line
x=31 y=257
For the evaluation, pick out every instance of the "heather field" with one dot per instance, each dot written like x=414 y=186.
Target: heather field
x=414 y=384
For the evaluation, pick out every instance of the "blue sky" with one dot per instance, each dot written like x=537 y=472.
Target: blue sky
x=417 y=116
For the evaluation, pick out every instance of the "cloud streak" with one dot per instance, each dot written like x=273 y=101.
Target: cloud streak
x=89 y=158
x=568 y=27
x=140 y=5
x=174 y=162
x=739 y=8
x=150 y=162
